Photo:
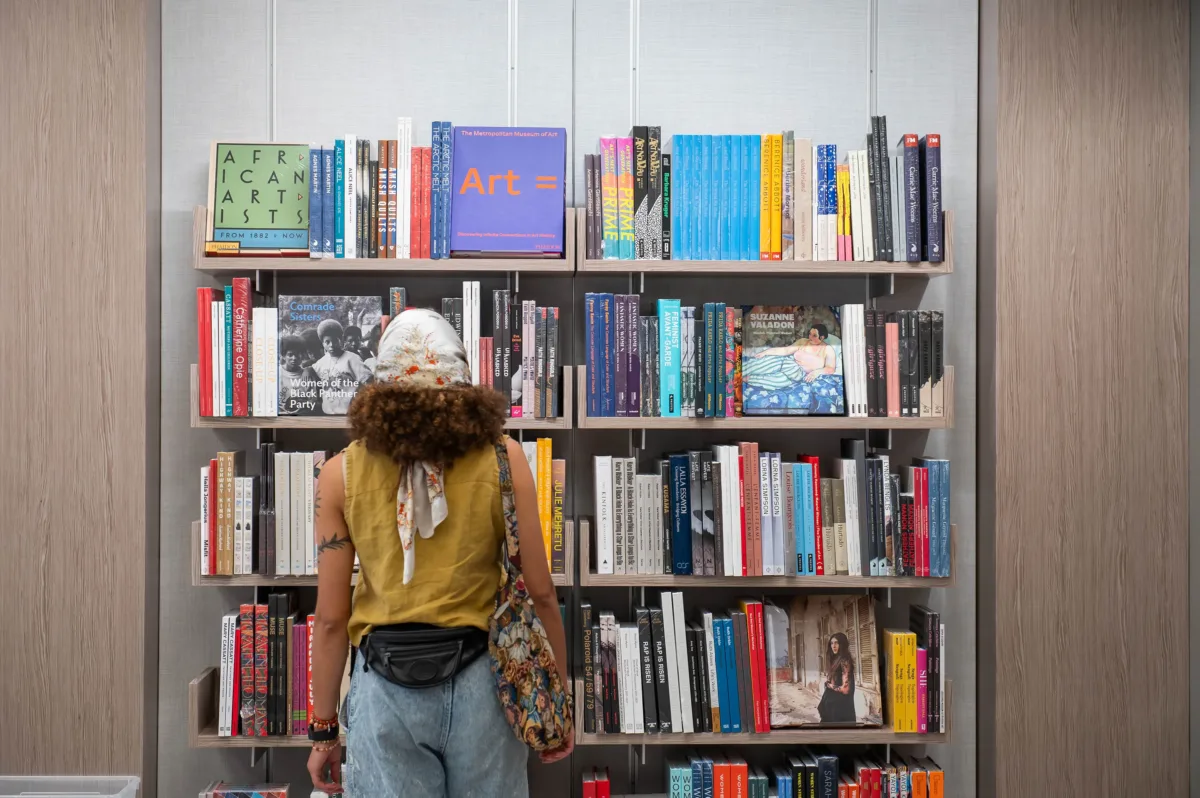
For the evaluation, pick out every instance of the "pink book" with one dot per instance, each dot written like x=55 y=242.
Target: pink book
x=892 y=355
x=922 y=691
x=730 y=359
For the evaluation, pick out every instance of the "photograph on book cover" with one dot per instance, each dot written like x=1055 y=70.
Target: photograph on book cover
x=792 y=361
x=822 y=662
x=327 y=347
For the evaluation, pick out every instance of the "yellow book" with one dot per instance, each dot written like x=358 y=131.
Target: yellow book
x=910 y=676
x=776 y=196
x=764 y=204
x=544 y=489
x=893 y=681
x=843 y=211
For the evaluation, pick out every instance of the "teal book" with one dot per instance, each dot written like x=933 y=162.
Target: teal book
x=696 y=148
x=669 y=358
x=707 y=191
x=726 y=191
x=229 y=350
x=339 y=198
x=753 y=206
x=736 y=187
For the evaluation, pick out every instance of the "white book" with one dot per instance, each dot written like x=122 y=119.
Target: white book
x=714 y=695
x=406 y=188
x=860 y=330
x=225 y=711
x=845 y=470
x=851 y=358
x=804 y=199
x=283 y=514
x=605 y=532
x=350 y=184
x=855 y=206
x=685 y=705
x=271 y=362
x=864 y=194
x=942 y=678
x=473 y=290
x=831 y=233
x=297 y=515
x=637 y=723
x=629 y=465
x=818 y=250
x=656 y=538
x=248 y=514
x=777 y=513
x=466 y=328
x=720 y=465
x=239 y=567
x=622 y=668
x=219 y=360
x=255 y=361
x=642 y=522
x=764 y=514
x=205 y=487
x=310 y=548
x=618 y=515
x=530 y=450
x=673 y=677
x=214 y=355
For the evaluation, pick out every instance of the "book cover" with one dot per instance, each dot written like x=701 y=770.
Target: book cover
x=792 y=361
x=654 y=194
x=764 y=198
x=646 y=670
x=258 y=199
x=246 y=689
x=633 y=384
x=669 y=358
x=611 y=249
x=315 y=195
x=508 y=190
x=924 y=364
x=620 y=354
x=641 y=209
x=382 y=213
x=590 y=206
x=322 y=341
x=350 y=180
x=931 y=197
x=681 y=528
x=625 y=191
x=339 y=198
x=937 y=322
x=661 y=685
x=261 y=653
x=824 y=669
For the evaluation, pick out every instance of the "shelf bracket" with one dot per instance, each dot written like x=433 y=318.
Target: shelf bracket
x=641 y=282
x=889 y=598
x=881 y=285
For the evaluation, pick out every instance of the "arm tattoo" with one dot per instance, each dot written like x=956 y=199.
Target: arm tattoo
x=317 y=500
x=336 y=542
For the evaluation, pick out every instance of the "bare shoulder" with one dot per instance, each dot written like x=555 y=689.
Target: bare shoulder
x=331 y=483
x=514 y=448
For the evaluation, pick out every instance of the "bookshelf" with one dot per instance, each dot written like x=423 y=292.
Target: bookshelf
x=771 y=267
x=882 y=735
x=562 y=422
x=589 y=579
x=565 y=579
x=226 y=264
x=203 y=693
x=764 y=422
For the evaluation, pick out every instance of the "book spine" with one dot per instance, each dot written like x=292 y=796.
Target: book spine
x=725 y=208
x=764 y=203
x=591 y=312
x=552 y=363
x=350 y=198
x=435 y=220
x=558 y=480
x=327 y=202
x=667 y=192
x=788 y=230
x=925 y=364
x=240 y=349
x=720 y=512
x=314 y=201
x=611 y=247
x=246 y=654
x=339 y=198
x=272 y=665
x=381 y=185
x=529 y=364
x=545 y=492
x=662 y=688
x=654 y=194
x=413 y=217
x=603 y=475
x=646 y=661
x=696 y=512
x=776 y=196
x=260 y=648
x=633 y=386
x=621 y=354
x=589 y=206
x=669 y=358
x=625 y=193
x=641 y=181
x=589 y=666
x=204 y=311
x=931 y=218
x=681 y=531
x=205 y=487
x=732 y=679
x=678 y=187
x=885 y=187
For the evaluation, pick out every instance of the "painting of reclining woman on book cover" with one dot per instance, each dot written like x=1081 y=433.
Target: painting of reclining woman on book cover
x=792 y=361
x=822 y=663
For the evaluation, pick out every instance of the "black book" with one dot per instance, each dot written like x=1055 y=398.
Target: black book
x=598 y=225
x=856 y=450
x=539 y=378
x=693 y=675
x=872 y=363
x=272 y=663
x=939 y=363
x=666 y=207
x=654 y=215
x=656 y=402
x=893 y=529
x=515 y=326
x=643 y=331
x=741 y=654
x=914 y=359
x=641 y=208
x=885 y=189
x=902 y=319
x=607 y=664
x=881 y=530
x=662 y=687
x=873 y=195
x=552 y=370
x=597 y=681
x=646 y=660
x=827 y=776
x=664 y=474
x=925 y=374
x=927 y=625
x=867 y=521
x=707 y=513
x=590 y=205
x=265 y=545
x=373 y=216
x=620 y=353
x=795 y=769
x=718 y=479
x=705 y=718
x=696 y=505
x=589 y=669
x=364 y=196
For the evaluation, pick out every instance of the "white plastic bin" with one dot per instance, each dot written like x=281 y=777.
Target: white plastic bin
x=69 y=786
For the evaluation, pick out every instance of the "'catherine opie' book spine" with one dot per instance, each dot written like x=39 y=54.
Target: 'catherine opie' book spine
x=931 y=200
x=314 y=201
x=654 y=194
x=646 y=670
x=666 y=206
x=641 y=177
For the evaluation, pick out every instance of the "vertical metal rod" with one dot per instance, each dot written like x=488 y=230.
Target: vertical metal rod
x=889 y=598
x=272 y=16
x=873 y=64
x=509 y=73
x=516 y=50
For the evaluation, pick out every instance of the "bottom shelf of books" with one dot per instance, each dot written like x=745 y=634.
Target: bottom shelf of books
x=204 y=731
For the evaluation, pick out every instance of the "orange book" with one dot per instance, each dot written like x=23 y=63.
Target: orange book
x=918 y=780
x=722 y=788
x=381 y=199
x=739 y=773
x=935 y=778
x=414 y=203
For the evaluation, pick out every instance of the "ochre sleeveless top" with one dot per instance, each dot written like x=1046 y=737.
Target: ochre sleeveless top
x=457 y=570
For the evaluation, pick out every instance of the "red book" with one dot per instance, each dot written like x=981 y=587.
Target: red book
x=722 y=788
x=245 y=659
x=589 y=785
x=260 y=670
x=741 y=507
x=235 y=699
x=204 y=346
x=754 y=652
x=240 y=357
x=214 y=532
x=426 y=197
x=754 y=510
x=763 y=708
x=908 y=549
x=603 y=788
x=414 y=201
x=877 y=782
x=819 y=545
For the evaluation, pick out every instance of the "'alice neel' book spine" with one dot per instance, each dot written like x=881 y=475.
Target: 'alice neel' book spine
x=314 y=201
x=654 y=193
x=641 y=177
x=931 y=199
x=339 y=198
x=646 y=661
x=373 y=216
x=589 y=668
x=590 y=205
x=939 y=364
x=666 y=207
x=552 y=370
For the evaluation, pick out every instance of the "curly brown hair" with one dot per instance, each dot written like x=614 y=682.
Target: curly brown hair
x=437 y=425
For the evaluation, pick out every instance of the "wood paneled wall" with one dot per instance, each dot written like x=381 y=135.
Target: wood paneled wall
x=73 y=276
x=1088 y=415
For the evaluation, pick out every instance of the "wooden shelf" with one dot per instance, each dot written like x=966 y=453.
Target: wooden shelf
x=203 y=692
x=565 y=579
x=242 y=264
x=765 y=422
x=589 y=579
x=771 y=267
x=883 y=735
x=562 y=422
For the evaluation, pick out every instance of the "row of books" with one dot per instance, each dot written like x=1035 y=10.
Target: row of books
x=719 y=360
x=764 y=197
x=265 y=673
x=259 y=524
x=308 y=355
x=473 y=191
x=757 y=667
x=221 y=789
x=550 y=480
x=733 y=510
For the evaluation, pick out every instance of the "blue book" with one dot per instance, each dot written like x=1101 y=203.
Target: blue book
x=706 y=773
x=229 y=350
x=939 y=515
x=705 y=212
x=731 y=682
x=797 y=477
x=327 y=202
x=591 y=326
x=681 y=525
x=810 y=520
x=315 y=193
x=696 y=148
x=678 y=197
x=728 y=198
x=339 y=198
x=675 y=780
x=722 y=344
x=735 y=197
x=435 y=190
x=754 y=205
x=726 y=713
x=606 y=335
x=714 y=199
x=668 y=355
x=697 y=773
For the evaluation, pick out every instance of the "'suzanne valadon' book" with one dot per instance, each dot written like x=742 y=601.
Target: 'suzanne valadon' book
x=508 y=196
x=258 y=199
x=792 y=361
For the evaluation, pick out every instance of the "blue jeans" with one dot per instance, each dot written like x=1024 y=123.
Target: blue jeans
x=448 y=740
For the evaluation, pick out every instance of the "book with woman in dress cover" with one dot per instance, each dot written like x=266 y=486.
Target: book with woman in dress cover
x=792 y=361
x=822 y=662
x=321 y=351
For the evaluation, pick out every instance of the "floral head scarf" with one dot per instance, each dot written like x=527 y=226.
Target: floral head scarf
x=421 y=349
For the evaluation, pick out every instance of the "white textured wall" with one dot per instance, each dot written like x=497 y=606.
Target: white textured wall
x=703 y=66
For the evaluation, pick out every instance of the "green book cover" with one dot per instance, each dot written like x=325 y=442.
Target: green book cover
x=257 y=198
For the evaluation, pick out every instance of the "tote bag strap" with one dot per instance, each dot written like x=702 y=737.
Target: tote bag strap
x=512 y=543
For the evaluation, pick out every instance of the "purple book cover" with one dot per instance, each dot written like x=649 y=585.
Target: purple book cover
x=508 y=190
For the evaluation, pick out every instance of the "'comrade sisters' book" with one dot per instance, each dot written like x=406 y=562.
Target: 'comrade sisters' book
x=508 y=191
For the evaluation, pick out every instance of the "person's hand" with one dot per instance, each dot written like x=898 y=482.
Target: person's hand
x=558 y=753
x=810 y=376
x=319 y=760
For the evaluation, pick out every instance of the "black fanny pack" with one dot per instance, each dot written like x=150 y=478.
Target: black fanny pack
x=418 y=655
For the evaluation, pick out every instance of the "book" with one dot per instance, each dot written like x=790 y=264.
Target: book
x=625 y=196
x=641 y=208
x=931 y=197
x=320 y=347
x=667 y=202
x=823 y=672
x=258 y=199
x=782 y=348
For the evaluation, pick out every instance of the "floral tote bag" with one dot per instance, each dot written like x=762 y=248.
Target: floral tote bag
x=534 y=698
